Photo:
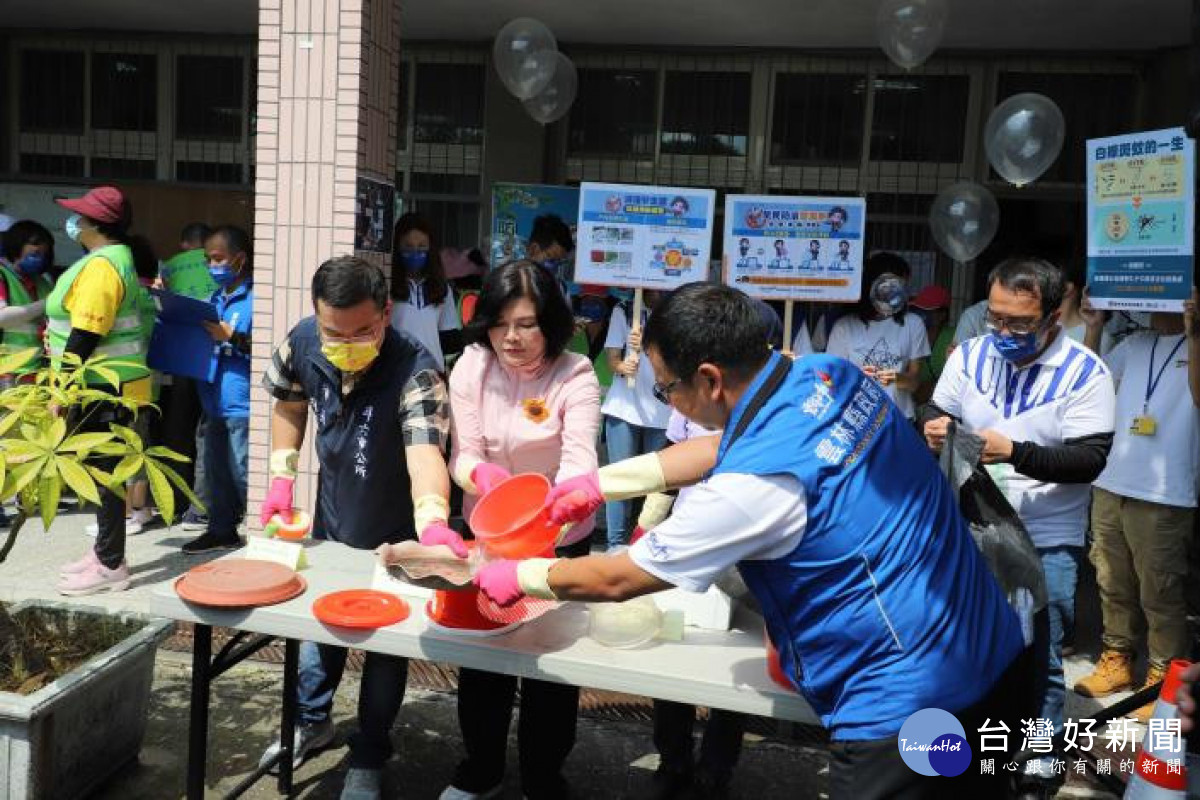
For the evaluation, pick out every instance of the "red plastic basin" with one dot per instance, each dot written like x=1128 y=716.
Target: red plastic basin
x=510 y=522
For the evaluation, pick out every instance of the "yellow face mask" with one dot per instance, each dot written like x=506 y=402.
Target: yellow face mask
x=352 y=355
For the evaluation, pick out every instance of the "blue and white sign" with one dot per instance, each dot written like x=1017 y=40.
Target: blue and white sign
x=652 y=237
x=1141 y=215
x=795 y=248
x=514 y=208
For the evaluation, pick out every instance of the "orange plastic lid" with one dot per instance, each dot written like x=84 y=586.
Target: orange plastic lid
x=238 y=583
x=360 y=608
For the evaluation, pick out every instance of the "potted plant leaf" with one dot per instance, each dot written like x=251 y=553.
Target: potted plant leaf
x=74 y=681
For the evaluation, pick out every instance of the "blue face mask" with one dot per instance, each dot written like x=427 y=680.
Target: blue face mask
x=71 y=226
x=32 y=264
x=1016 y=347
x=553 y=266
x=414 y=260
x=222 y=274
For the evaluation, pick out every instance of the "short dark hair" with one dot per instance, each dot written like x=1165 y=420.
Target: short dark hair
x=878 y=264
x=708 y=322
x=435 y=276
x=346 y=281
x=237 y=240
x=195 y=232
x=837 y=210
x=145 y=261
x=549 y=230
x=511 y=282
x=24 y=232
x=1034 y=276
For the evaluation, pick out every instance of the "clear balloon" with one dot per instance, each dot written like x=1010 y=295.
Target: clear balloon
x=909 y=31
x=524 y=53
x=553 y=102
x=1023 y=137
x=964 y=219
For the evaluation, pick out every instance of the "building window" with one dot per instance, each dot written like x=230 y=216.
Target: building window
x=818 y=119
x=614 y=113
x=920 y=118
x=1092 y=105
x=706 y=113
x=208 y=172
x=118 y=168
x=450 y=203
x=209 y=98
x=124 y=92
x=52 y=165
x=52 y=91
x=448 y=108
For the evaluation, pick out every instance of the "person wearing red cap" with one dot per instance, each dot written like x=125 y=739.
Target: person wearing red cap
x=932 y=304
x=94 y=311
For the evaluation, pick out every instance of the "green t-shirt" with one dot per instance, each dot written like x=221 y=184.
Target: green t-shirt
x=187 y=273
x=931 y=370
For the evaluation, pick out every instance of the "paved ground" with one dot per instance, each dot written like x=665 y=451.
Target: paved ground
x=610 y=760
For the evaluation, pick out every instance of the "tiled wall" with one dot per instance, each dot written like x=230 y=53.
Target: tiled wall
x=327 y=90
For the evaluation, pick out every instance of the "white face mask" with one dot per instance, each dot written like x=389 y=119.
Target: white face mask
x=72 y=227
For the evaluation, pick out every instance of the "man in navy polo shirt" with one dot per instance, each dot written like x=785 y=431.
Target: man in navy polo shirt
x=842 y=526
x=382 y=418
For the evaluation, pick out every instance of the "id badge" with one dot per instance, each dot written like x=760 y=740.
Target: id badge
x=1143 y=425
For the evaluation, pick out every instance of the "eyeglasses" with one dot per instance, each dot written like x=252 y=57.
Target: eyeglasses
x=662 y=391
x=1018 y=325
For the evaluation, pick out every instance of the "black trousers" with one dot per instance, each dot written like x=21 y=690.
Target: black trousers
x=545 y=729
x=181 y=413
x=110 y=515
x=719 y=748
x=874 y=770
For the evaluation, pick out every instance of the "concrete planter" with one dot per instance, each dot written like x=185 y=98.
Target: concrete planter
x=69 y=736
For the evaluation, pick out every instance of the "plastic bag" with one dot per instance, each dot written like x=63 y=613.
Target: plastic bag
x=996 y=528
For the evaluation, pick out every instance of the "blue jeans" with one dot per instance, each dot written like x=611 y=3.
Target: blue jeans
x=227 y=453
x=200 y=471
x=380 y=694
x=626 y=440
x=1061 y=566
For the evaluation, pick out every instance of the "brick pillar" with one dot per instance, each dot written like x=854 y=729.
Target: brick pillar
x=328 y=74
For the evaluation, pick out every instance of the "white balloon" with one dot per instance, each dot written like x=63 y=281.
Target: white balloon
x=964 y=219
x=1023 y=137
x=555 y=100
x=524 y=53
x=909 y=31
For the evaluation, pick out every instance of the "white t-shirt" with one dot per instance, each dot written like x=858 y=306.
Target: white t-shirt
x=802 y=344
x=1162 y=468
x=1065 y=394
x=1079 y=334
x=424 y=321
x=636 y=405
x=882 y=343
x=729 y=518
x=971 y=322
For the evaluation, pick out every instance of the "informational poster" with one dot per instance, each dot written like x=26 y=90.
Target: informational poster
x=374 y=210
x=652 y=237
x=1141 y=214
x=795 y=248
x=514 y=208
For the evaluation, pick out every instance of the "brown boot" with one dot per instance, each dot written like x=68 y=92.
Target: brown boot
x=1113 y=673
x=1153 y=675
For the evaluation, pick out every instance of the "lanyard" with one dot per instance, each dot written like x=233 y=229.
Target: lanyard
x=1152 y=378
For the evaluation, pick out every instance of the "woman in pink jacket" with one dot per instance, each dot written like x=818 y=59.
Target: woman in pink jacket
x=519 y=403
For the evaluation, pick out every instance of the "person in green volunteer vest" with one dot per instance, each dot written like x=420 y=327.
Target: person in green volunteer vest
x=186 y=272
x=27 y=252
x=96 y=309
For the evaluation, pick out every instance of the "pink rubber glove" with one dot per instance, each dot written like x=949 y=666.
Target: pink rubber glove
x=575 y=499
x=279 y=501
x=436 y=533
x=485 y=476
x=498 y=580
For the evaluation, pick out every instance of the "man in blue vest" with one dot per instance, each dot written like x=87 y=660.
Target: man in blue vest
x=842 y=526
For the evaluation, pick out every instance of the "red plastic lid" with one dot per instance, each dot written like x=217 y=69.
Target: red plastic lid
x=360 y=608
x=238 y=583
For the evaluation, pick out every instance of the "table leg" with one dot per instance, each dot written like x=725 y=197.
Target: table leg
x=291 y=667
x=198 y=721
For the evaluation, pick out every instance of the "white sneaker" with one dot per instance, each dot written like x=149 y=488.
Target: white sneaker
x=308 y=739
x=454 y=793
x=133 y=524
